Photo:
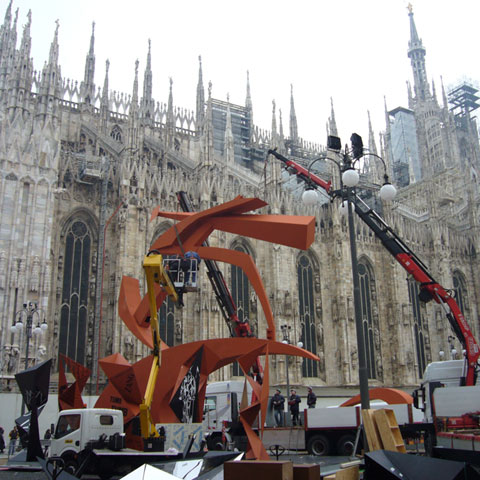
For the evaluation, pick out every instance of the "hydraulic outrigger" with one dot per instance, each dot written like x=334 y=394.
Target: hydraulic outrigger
x=430 y=289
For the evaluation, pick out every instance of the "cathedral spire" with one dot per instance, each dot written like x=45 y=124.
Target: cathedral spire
x=274 y=122
x=385 y=111
x=410 y=95
x=200 y=113
x=170 y=121
x=332 y=123
x=53 y=54
x=133 y=111
x=248 y=99
x=21 y=79
x=207 y=135
x=170 y=118
x=370 y=165
x=51 y=80
x=416 y=53
x=147 y=103
x=88 y=87
x=372 y=146
x=280 y=123
x=6 y=32
x=293 y=119
x=249 y=108
x=104 y=104
x=444 y=95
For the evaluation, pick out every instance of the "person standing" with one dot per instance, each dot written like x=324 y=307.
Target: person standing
x=278 y=402
x=311 y=398
x=190 y=263
x=294 y=402
x=2 y=440
x=13 y=435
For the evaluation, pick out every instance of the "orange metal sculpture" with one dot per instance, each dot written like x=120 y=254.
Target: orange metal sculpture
x=392 y=396
x=126 y=382
x=70 y=396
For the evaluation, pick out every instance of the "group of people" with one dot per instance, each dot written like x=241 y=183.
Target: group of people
x=187 y=264
x=13 y=436
x=294 y=400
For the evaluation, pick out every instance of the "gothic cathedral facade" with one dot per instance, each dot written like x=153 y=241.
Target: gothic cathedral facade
x=82 y=167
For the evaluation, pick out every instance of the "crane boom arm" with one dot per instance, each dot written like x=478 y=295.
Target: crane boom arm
x=429 y=287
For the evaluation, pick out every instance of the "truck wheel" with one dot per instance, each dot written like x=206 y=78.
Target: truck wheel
x=318 y=445
x=71 y=466
x=346 y=446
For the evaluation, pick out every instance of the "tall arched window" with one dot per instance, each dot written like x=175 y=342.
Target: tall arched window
x=73 y=310
x=371 y=332
x=241 y=297
x=307 y=313
x=419 y=326
x=166 y=318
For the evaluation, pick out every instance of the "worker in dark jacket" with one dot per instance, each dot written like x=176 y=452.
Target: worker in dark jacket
x=278 y=402
x=311 y=398
x=294 y=402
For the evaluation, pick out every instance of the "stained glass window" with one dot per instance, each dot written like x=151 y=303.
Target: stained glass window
x=419 y=326
x=307 y=313
x=73 y=310
x=166 y=319
x=241 y=297
x=371 y=333
x=460 y=288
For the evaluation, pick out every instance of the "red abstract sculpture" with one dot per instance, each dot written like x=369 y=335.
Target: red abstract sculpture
x=71 y=396
x=127 y=382
x=192 y=231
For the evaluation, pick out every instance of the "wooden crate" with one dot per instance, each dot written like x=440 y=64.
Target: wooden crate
x=306 y=471
x=389 y=430
x=371 y=431
x=253 y=469
x=350 y=473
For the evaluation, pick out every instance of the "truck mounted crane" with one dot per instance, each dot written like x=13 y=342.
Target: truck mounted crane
x=430 y=289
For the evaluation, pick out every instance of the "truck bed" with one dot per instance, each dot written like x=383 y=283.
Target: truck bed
x=350 y=417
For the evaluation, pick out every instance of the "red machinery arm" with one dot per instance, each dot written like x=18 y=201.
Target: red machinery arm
x=429 y=288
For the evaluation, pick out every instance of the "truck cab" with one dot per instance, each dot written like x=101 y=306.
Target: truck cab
x=437 y=375
x=221 y=409
x=78 y=428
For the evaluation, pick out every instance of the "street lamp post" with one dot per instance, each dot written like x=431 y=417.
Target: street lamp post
x=349 y=180
x=286 y=339
x=286 y=329
x=28 y=312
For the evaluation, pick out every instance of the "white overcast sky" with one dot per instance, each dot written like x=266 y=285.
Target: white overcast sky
x=353 y=51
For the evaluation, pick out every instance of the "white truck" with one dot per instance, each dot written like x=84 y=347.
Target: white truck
x=221 y=413
x=453 y=409
x=324 y=431
x=92 y=441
